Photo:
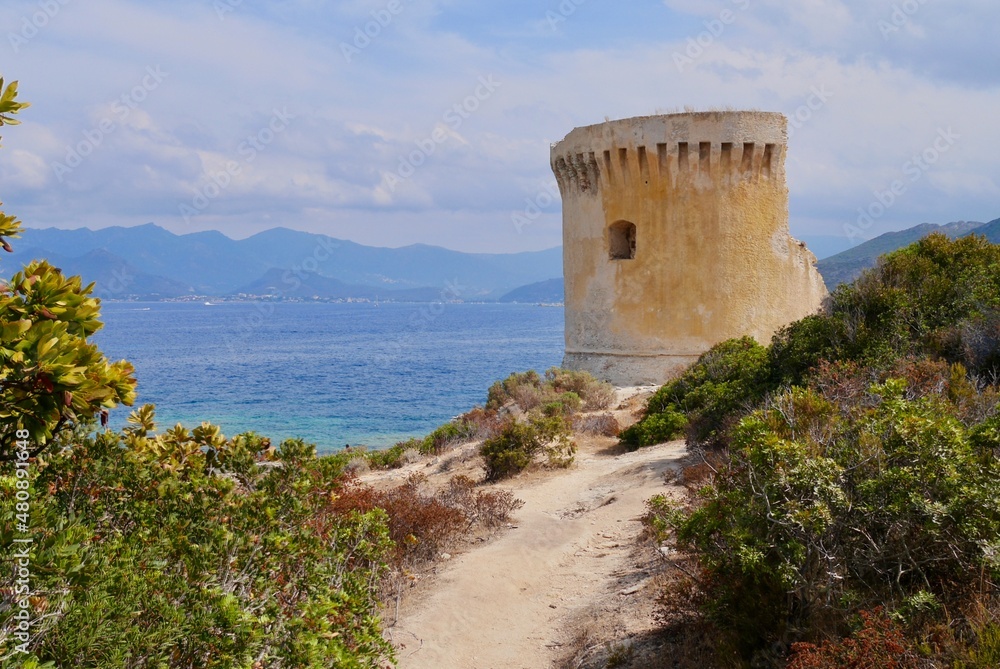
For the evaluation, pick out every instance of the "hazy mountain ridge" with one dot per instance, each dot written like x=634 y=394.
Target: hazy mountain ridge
x=150 y=262
x=846 y=266
x=115 y=277
x=551 y=291
x=209 y=263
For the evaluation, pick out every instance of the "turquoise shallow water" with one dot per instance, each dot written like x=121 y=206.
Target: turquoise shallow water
x=328 y=373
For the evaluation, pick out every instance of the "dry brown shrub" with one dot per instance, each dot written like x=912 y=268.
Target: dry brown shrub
x=493 y=508
x=700 y=473
x=482 y=423
x=879 y=643
x=489 y=508
x=527 y=397
x=358 y=466
x=420 y=525
x=603 y=424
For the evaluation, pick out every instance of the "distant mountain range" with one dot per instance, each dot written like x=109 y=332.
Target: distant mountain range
x=150 y=262
x=549 y=292
x=846 y=266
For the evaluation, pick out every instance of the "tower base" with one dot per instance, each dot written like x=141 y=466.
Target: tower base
x=630 y=369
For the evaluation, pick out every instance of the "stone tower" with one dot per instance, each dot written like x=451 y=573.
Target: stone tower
x=675 y=237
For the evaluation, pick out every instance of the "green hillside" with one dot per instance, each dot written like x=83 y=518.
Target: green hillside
x=846 y=266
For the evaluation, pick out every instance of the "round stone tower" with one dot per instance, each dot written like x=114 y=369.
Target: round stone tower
x=675 y=237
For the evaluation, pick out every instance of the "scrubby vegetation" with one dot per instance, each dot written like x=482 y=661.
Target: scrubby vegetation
x=707 y=398
x=190 y=549
x=518 y=444
x=560 y=391
x=848 y=511
x=527 y=419
x=549 y=407
x=186 y=548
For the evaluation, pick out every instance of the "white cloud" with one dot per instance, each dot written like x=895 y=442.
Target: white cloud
x=889 y=92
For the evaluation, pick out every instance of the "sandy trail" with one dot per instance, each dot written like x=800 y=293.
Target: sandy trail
x=512 y=603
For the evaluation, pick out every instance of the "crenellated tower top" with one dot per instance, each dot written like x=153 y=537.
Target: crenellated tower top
x=675 y=237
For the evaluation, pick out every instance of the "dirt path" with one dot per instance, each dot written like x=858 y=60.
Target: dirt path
x=517 y=602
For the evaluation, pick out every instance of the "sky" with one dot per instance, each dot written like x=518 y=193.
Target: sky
x=393 y=122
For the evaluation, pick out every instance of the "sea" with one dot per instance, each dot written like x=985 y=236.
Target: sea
x=329 y=373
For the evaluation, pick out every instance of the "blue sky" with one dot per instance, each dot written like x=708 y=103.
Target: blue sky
x=242 y=115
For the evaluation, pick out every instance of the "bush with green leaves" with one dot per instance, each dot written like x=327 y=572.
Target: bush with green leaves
x=937 y=297
x=824 y=510
x=51 y=378
x=187 y=548
x=518 y=444
x=446 y=436
x=572 y=390
x=727 y=381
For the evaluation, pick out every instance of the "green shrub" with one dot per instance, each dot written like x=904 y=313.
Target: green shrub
x=817 y=516
x=593 y=394
x=938 y=297
x=529 y=391
x=516 y=447
x=169 y=551
x=389 y=458
x=511 y=451
x=655 y=429
x=445 y=436
x=707 y=399
x=513 y=388
x=556 y=438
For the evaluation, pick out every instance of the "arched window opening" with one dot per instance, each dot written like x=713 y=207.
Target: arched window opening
x=621 y=241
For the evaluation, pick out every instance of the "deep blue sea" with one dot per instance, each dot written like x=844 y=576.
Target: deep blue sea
x=332 y=374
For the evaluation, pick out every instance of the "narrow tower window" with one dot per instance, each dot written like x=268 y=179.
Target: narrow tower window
x=621 y=241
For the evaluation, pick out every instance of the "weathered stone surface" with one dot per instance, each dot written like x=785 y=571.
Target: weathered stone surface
x=675 y=237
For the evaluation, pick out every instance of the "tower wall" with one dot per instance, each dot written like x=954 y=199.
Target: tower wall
x=675 y=237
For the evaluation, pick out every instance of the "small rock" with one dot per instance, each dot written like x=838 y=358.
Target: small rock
x=553 y=606
x=445 y=556
x=634 y=589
